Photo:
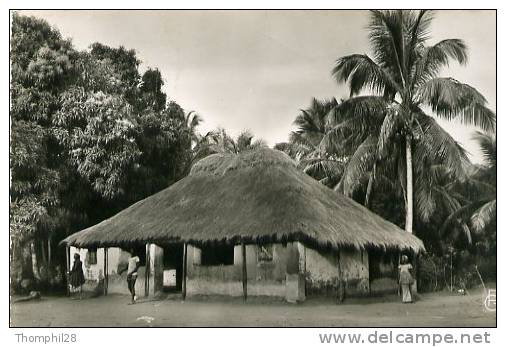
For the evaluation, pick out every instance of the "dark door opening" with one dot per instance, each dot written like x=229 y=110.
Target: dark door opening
x=140 y=251
x=173 y=262
x=383 y=271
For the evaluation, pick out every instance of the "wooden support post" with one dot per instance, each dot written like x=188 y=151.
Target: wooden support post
x=183 y=284
x=244 y=272
x=415 y=273
x=147 y=270
x=67 y=273
x=340 y=280
x=399 y=291
x=106 y=276
x=369 y=270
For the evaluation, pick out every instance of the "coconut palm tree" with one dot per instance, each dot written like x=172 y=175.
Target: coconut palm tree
x=402 y=76
x=324 y=164
x=312 y=123
x=192 y=121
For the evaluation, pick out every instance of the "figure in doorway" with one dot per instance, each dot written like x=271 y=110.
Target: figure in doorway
x=133 y=266
x=405 y=279
x=76 y=275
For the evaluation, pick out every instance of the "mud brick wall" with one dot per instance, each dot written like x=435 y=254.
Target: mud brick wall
x=264 y=278
x=325 y=269
x=355 y=272
x=213 y=280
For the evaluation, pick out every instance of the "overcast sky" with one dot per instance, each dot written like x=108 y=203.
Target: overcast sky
x=255 y=69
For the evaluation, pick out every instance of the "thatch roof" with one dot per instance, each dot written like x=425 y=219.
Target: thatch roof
x=256 y=196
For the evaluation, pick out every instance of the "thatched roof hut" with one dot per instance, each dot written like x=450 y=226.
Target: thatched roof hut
x=256 y=196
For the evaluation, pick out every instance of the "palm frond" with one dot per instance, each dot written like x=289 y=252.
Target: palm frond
x=433 y=58
x=480 y=187
x=387 y=36
x=431 y=193
x=359 y=165
x=309 y=122
x=362 y=72
x=196 y=121
x=360 y=113
x=464 y=213
x=321 y=167
x=389 y=128
x=418 y=29
x=449 y=199
x=451 y=99
x=312 y=123
x=488 y=146
x=424 y=199
x=435 y=145
x=484 y=215
x=467 y=232
x=302 y=146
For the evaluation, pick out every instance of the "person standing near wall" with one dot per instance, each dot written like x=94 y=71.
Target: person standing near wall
x=133 y=266
x=406 y=279
x=76 y=275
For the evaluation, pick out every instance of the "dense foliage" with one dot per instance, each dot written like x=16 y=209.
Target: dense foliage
x=90 y=135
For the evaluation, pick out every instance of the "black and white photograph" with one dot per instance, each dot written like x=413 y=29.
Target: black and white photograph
x=252 y=168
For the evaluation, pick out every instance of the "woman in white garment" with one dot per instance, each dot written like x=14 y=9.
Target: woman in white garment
x=406 y=279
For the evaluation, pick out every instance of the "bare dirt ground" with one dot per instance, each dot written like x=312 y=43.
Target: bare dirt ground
x=440 y=309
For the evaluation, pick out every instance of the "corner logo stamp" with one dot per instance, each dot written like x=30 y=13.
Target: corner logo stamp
x=490 y=300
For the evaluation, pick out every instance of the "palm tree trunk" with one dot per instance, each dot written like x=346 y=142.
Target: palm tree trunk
x=43 y=251
x=35 y=264
x=49 y=252
x=409 y=186
x=368 y=193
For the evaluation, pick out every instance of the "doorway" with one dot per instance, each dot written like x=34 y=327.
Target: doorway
x=173 y=268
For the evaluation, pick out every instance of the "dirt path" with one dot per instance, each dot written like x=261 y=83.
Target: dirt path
x=435 y=309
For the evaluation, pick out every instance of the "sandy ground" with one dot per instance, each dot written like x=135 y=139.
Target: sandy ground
x=432 y=310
